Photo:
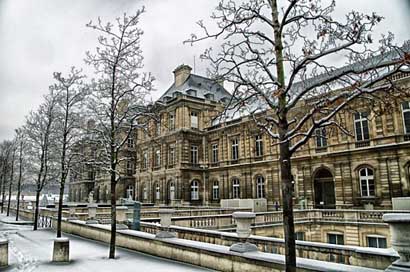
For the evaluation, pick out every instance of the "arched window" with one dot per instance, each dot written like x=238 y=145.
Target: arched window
x=215 y=190
x=129 y=192
x=260 y=187
x=236 y=189
x=194 y=190
x=157 y=192
x=171 y=191
x=366 y=182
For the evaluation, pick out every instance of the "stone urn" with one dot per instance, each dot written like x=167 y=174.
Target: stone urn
x=400 y=238
x=92 y=214
x=243 y=229
x=165 y=216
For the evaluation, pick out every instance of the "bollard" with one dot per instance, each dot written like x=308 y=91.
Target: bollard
x=71 y=211
x=4 y=253
x=92 y=214
x=122 y=215
x=136 y=216
x=165 y=217
x=400 y=237
x=61 y=250
x=243 y=229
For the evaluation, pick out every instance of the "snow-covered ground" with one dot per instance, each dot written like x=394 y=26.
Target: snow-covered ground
x=32 y=251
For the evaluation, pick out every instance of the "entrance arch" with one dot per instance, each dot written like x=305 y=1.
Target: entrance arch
x=324 y=189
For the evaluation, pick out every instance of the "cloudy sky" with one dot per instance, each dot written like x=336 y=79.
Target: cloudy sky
x=38 y=37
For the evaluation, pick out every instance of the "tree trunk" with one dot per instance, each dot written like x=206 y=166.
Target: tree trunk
x=288 y=224
x=9 y=200
x=3 y=197
x=60 y=206
x=19 y=180
x=113 y=217
x=36 y=211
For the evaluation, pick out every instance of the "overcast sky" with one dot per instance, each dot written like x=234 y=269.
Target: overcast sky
x=38 y=37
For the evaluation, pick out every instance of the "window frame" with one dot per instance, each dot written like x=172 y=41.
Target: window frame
x=404 y=111
x=236 y=188
x=367 y=178
x=194 y=190
x=194 y=154
x=215 y=153
x=215 y=190
x=235 y=149
x=377 y=237
x=260 y=187
x=360 y=121
x=171 y=121
x=258 y=146
x=194 y=116
x=321 y=137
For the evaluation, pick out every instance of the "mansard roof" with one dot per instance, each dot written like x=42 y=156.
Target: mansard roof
x=199 y=87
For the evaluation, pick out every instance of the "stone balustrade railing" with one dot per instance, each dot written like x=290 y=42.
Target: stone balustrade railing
x=352 y=255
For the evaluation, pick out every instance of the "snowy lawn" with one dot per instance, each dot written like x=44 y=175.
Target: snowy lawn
x=32 y=251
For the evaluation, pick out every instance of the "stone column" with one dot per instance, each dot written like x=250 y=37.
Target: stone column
x=399 y=224
x=243 y=229
x=165 y=216
x=4 y=253
x=61 y=250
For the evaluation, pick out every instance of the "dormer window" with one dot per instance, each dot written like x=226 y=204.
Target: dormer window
x=210 y=96
x=224 y=100
x=176 y=94
x=191 y=92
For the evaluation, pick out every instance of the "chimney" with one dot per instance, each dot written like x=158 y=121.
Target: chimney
x=181 y=74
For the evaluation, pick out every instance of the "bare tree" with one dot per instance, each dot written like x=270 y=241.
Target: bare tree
x=20 y=139
x=282 y=57
x=117 y=95
x=39 y=133
x=12 y=161
x=5 y=149
x=70 y=96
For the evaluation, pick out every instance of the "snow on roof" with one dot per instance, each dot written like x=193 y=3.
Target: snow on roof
x=197 y=86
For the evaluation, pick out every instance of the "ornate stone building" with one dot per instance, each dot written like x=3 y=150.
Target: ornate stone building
x=187 y=158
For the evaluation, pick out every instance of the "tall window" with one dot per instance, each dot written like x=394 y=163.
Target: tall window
x=215 y=153
x=406 y=116
x=172 y=191
x=215 y=190
x=145 y=160
x=366 y=182
x=194 y=119
x=171 y=121
x=259 y=146
x=194 y=190
x=260 y=187
x=235 y=149
x=157 y=192
x=130 y=192
x=376 y=241
x=171 y=156
x=130 y=142
x=144 y=193
x=321 y=137
x=236 y=189
x=194 y=154
x=158 y=158
x=361 y=124
x=158 y=131
x=130 y=167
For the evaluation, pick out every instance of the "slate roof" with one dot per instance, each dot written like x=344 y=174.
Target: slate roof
x=200 y=87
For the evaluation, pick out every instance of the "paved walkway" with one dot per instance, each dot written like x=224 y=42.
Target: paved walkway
x=32 y=250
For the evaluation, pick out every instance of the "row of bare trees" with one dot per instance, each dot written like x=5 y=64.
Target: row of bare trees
x=49 y=146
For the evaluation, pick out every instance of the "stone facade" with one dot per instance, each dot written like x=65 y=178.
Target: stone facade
x=187 y=158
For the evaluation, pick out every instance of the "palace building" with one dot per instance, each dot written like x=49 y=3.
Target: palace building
x=186 y=158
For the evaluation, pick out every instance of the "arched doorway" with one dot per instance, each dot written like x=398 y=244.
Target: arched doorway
x=324 y=189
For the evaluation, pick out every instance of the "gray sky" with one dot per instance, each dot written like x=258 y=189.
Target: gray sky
x=38 y=37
